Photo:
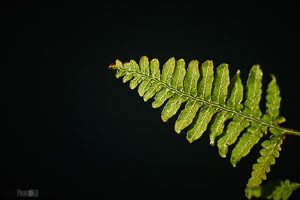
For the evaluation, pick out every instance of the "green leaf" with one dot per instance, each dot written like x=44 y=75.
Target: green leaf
x=207 y=77
x=234 y=102
x=135 y=82
x=187 y=115
x=161 y=97
x=253 y=92
x=144 y=86
x=204 y=117
x=119 y=67
x=191 y=79
x=172 y=106
x=236 y=90
x=134 y=66
x=152 y=90
x=218 y=124
x=221 y=85
x=168 y=71
x=268 y=153
x=154 y=69
x=128 y=75
x=273 y=103
x=144 y=64
x=284 y=191
x=179 y=74
x=246 y=142
x=276 y=190
x=213 y=102
x=273 y=99
x=232 y=132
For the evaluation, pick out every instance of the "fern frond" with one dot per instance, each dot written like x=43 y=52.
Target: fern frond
x=211 y=99
x=284 y=191
x=271 y=147
x=269 y=152
x=276 y=190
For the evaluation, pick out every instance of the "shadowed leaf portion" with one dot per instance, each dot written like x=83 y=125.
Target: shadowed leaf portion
x=276 y=190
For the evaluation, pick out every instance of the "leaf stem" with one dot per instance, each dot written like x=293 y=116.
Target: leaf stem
x=289 y=131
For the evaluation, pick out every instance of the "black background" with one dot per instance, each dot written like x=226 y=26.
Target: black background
x=73 y=130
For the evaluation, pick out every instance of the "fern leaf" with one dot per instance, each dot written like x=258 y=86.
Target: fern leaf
x=238 y=124
x=187 y=115
x=269 y=152
x=174 y=103
x=154 y=69
x=234 y=102
x=155 y=74
x=128 y=76
x=211 y=99
x=204 y=92
x=235 y=127
x=191 y=79
x=204 y=117
x=253 y=133
x=246 y=142
x=190 y=89
x=144 y=69
x=284 y=191
x=271 y=147
x=172 y=106
x=253 y=93
x=166 y=76
x=205 y=84
x=219 y=94
x=221 y=84
x=273 y=103
x=276 y=190
x=144 y=65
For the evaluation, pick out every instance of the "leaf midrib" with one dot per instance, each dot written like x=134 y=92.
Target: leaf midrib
x=212 y=104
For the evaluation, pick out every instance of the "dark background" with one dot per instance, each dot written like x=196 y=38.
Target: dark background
x=72 y=130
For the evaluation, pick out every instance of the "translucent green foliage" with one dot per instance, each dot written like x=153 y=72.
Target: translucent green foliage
x=172 y=106
x=221 y=83
x=154 y=69
x=246 y=142
x=202 y=120
x=253 y=92
x=284 y=191
x=235 y=127
x=179 y=74
x=273 y=103
x=168 y=71
x=187 y=115
x=154 y=74
x=269 y=152
x=205 y=84
x=204 y=92
x=251 y=108
x=234 y=102
x=276 y=190
x=206 y=98
x=191 y=79
x=270 y=148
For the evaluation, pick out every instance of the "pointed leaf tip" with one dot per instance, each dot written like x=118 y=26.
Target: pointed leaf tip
x=116 y=65
x=112 y=66
x=273 y=77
